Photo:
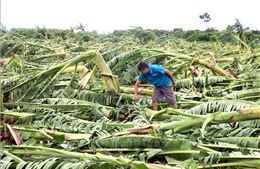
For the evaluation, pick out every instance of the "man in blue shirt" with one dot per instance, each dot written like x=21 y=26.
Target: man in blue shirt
x=162 y=80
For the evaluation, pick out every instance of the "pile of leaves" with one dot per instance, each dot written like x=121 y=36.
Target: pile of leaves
x=68 y=104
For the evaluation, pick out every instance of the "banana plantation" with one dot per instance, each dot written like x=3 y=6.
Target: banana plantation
x=66 y=101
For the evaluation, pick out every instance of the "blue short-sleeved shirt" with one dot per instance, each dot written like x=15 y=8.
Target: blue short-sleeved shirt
x=156 y=76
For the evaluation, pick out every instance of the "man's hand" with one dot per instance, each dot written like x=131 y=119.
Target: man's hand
x=135 y=98
x=170 y=76
x=173 y=83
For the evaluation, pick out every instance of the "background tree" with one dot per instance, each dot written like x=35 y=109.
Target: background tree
x=238 y=29
x=3 y=28
x=206 y=18
x=80 y=27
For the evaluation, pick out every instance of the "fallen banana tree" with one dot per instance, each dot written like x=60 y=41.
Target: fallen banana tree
x=84 y=157
x=190 y=121
x=52 y=74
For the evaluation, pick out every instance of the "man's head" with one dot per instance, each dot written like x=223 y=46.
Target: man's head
x=143 y=67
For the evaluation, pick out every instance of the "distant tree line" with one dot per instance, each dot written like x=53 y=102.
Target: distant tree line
x=143 y=36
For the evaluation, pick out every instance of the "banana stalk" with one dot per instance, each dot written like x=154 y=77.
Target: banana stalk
x=168 y=152
x=17 y=159
x=61 y=54
x=141 y=91
x=71 y=69
x=51 y=152
x=85 y=78
x=196 y=121
x=241 y=163
x=110 y=79
x=234 y=147
x=69 y=136
x=41 y=46
x=1 y=99
x=126 y=162
x=24 y=117
x=27 y=133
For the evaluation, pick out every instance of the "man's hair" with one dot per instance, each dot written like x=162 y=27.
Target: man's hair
x=142 y=65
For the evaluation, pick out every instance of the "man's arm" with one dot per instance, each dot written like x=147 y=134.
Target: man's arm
x=136 y=89
x=170 y=76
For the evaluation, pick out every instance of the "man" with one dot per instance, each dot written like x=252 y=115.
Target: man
x=163 y=81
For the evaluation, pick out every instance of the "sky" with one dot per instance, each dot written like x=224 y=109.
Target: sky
x=109 y=15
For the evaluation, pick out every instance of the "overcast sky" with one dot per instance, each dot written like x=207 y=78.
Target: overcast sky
x=109 y=15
